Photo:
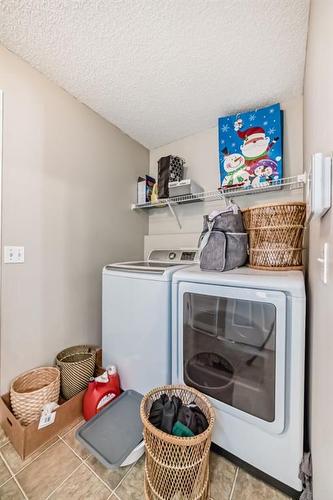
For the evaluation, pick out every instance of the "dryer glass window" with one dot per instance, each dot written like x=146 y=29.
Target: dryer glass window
x=229 y=348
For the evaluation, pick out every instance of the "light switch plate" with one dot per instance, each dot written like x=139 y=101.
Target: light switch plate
x=13 y=255
x=319 y=186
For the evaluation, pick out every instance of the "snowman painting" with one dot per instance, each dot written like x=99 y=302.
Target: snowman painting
x=234 y=166
x=250 y=148
x=263 y=173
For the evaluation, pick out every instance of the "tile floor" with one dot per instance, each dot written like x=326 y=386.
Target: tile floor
x=63 y=470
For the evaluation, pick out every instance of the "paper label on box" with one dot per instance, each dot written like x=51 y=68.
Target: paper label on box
x=46 y=419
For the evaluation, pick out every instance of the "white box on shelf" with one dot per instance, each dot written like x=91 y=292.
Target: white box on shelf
x=141 y=191
x=184 y=187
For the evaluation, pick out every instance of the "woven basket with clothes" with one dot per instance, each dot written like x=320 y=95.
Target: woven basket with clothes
x=77 y=366
x=176 y=467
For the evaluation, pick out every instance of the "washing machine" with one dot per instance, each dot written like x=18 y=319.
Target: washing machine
x=136 y=317
x=239 y=337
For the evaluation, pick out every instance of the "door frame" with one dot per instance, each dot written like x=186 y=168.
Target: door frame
x=1 y=212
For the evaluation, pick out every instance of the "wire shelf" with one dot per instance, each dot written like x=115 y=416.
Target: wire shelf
x=289 y=183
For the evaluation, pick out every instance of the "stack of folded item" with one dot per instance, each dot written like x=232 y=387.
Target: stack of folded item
x=173 y=417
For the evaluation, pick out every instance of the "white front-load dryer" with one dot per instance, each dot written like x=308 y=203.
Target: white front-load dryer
x=239 y=337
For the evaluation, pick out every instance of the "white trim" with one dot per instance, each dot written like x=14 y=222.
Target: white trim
x=1 y=211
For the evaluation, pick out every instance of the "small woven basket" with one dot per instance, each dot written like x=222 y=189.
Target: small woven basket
x=275 y=235
x=176 y=467
x=30 y=391
x=77 y=366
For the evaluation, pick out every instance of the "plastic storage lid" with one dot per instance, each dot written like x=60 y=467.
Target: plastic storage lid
x=114 y=433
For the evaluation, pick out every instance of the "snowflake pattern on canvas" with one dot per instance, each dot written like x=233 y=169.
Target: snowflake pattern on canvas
x=250 y=148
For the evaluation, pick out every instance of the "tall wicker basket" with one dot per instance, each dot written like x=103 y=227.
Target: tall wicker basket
x=176 y=467
x=77 y=366
x=275 y=235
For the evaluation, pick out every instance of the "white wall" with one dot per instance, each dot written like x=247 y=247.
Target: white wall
x=69 y=178
x=318 y=137
x=201 y=154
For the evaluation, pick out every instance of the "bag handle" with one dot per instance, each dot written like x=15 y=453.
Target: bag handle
x=232 y=207
x=206 y=236
x=211 y=221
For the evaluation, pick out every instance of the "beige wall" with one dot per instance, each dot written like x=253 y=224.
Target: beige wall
x=318 y=137
x=201 y=154
x=68 y=180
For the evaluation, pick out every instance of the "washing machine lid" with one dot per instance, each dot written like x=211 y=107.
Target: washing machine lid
x=159 y=262
x=291 y=282
x=144 y=266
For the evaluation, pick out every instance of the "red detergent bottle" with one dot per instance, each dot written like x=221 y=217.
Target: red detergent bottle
x=101 y=391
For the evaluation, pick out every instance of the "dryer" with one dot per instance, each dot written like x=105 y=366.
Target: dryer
x=239 y=337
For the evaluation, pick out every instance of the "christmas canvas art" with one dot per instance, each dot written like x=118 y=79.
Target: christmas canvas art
x=250 y=148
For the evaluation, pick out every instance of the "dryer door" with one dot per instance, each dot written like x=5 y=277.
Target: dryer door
x=232 y=347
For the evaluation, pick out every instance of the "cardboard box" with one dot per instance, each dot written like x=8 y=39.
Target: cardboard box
x=99 y=370
x=27 y=438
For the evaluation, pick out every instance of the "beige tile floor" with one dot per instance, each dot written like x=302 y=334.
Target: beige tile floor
x=64 y=470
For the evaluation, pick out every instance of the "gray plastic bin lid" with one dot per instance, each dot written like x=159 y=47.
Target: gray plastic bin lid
x=115 y=431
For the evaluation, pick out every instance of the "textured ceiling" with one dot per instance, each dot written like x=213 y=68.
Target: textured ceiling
x=163 y=69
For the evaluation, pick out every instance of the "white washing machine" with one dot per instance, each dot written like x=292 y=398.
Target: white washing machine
x=136 y=317
x=239 y=337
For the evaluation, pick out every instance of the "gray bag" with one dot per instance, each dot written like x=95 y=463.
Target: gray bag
x=223 y=241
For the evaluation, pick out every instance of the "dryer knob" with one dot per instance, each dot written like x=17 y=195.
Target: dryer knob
x=172 y=255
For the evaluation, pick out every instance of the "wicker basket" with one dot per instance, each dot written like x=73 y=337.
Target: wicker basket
x=77 y=365
x=176 y=467
x=275 y=235
x=32 y=390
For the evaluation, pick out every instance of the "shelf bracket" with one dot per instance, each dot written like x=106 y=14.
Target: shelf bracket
x=174 y=213
x=302 y=178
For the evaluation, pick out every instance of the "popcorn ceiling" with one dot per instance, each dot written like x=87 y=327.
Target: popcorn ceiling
x=163 y=69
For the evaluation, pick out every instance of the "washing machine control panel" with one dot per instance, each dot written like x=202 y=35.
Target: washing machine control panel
x=188 y=256
x=176 y=256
